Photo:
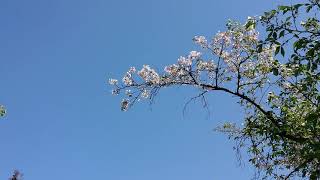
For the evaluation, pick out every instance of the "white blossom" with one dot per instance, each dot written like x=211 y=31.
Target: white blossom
x=285 y=71
x=184 y=62
x=145 y=93
x=206 y=65
x=266 y=56
x=250 y=18
x=194 y=55
x=222 y=38
x=253 y=35
x=127 y=79
x=132 y=70
x=201 y=40
x=113 y=81
x=149 y=75
x=172 y=69
x=286 y=85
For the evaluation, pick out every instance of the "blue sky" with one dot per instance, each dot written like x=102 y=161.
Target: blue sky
x=62 y=123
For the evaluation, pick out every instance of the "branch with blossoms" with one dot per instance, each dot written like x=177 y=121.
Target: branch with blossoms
x=238 y=63
x=238 y=69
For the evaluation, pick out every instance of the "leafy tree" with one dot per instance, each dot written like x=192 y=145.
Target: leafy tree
x=2 y=111
x=276 y=79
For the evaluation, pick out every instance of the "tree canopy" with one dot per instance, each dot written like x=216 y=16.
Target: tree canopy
x=275 y=75
x=2 y=111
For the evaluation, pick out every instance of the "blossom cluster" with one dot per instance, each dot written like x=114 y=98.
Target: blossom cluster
x=235 y=56
x=206 y=66
x=113 y=81
x=149 y=75
x=201 y=40
x=235 y=47
x=183 y=65
x=128 y=79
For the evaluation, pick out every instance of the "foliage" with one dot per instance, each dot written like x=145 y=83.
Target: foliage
x=2 y=111
x=276 y=79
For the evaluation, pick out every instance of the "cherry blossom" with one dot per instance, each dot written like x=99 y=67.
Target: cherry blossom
x=149 y=75
x=113 y=81
x=235 y=56
x=280 y=96
x=201 y=40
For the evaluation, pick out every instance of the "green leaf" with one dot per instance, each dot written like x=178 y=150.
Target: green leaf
x=308 y=65
x=308 y=8
x=314 y=66
x=297 y=6
x=274 y=35
x=259 y=48
x=277 y=50
x=282 y=33
x=282 y=51
x=310 y=53
x=288 y=18
x=250 y=25
x=314 y=175
x=282 y=8
x=275 y=71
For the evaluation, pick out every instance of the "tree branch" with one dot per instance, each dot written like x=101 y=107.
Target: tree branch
x=268 y=114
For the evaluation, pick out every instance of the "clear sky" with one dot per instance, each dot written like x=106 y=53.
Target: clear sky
x=62 y=123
